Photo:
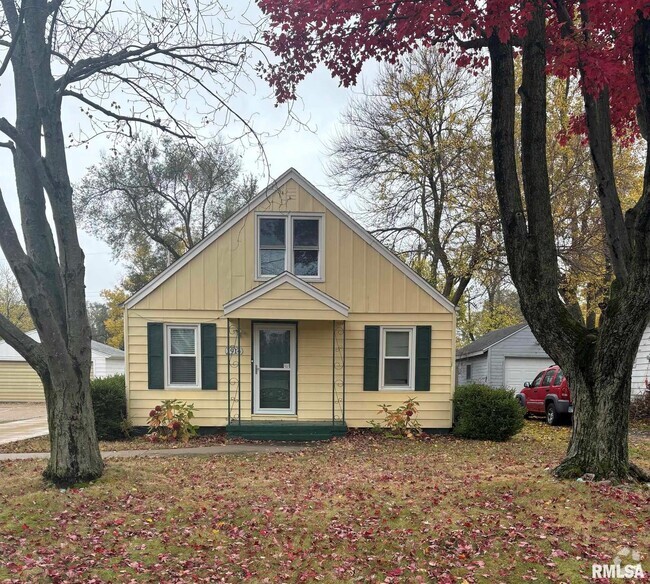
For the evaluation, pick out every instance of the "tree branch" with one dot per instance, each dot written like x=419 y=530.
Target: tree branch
x=28 y=348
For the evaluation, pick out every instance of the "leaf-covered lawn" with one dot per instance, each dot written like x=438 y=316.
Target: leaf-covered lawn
x=357 y=509
x=42 y=444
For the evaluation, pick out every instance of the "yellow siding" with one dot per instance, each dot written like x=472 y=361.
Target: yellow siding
x=355 y=274
x=376 y=291
x=19 y=383
x=285 y=303
x=314 y=386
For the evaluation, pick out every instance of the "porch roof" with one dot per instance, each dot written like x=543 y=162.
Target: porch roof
x=286 y=297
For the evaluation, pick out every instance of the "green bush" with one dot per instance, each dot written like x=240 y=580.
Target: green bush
x=109 y=406
x=484 y=413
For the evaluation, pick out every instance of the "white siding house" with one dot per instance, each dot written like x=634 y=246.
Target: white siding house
x=511 y=356
x=641 y=371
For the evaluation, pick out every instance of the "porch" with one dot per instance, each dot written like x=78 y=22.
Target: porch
x=286 y=363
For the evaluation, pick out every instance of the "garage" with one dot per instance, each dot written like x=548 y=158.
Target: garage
x=518 y=370
x=20 y=383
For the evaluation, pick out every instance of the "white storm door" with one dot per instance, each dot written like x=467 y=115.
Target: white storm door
x=274 y=369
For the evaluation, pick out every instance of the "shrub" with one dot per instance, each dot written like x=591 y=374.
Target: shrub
x=484 y=413
x=400 y=421
x=109 y=407
x=640 y=407
x=172 y=421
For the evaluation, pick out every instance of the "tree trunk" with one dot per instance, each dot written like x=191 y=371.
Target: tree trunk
x=599 y=440
x=74 y=455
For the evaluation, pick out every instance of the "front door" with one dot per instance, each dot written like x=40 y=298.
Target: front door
x=274 y=369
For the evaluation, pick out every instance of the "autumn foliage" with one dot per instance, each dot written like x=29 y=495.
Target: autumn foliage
x=342 y=35
x=172 y=421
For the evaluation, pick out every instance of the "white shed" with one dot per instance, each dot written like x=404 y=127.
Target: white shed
x=20 y=383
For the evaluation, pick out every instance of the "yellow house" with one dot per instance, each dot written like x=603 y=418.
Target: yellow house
x=290 y=321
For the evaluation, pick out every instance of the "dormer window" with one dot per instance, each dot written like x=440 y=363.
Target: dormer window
x=290 y=242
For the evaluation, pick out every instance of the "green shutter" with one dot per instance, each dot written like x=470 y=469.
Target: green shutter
x=423 y=358
x=208 y=356
x=371 y=358
x=156 y=354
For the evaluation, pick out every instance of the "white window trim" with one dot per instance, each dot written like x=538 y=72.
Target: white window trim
x=288 y=244
x=411 y=357
x=197 y=356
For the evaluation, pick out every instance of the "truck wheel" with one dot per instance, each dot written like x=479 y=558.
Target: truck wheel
x=552 y=417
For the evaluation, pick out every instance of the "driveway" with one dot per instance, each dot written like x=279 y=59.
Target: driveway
x=19 y=421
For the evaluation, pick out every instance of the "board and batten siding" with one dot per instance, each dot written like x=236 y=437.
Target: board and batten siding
x=355 y=274
x=376 y=291
x=479 y=369
x=314 y=374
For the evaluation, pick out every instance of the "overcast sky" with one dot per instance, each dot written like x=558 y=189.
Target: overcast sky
x=321 y=102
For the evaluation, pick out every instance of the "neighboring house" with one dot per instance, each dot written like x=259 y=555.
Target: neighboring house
x=507 y=357
x=510 y=356
x=290 y=321
x=641 y=371
x=20 y=383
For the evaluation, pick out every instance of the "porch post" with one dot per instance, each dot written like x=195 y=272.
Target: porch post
x=228 y=358
x=239 y=368
x=333 y=371
x=343 y=371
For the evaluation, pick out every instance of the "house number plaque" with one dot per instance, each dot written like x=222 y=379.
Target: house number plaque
x=234 y=350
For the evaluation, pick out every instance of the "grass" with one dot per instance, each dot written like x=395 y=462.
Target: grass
x=42 y=444
x=356 y=509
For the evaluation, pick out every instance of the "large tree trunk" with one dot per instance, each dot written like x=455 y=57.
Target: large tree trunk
x=598 y=363
x=50 y=273
x=74 y=454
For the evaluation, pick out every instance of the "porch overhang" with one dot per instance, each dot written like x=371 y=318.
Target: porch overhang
x=286 y=297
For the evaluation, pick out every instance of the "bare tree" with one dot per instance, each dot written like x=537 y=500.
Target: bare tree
x=417 y=148
x=125 y=67
x=166 y=193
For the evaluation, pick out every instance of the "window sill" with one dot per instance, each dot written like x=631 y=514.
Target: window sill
x=304 y=278
x=396 y=389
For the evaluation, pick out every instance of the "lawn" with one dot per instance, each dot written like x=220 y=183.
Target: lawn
x=356 y=509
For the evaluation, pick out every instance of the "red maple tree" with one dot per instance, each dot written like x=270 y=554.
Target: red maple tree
x=606 y=45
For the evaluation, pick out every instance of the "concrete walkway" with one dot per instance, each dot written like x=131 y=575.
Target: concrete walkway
x=166 y=452
x=20 y=421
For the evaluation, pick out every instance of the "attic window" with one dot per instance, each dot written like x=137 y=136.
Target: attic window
x=289 y=242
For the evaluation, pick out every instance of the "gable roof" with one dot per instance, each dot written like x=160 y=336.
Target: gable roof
x=482 y=344
x=291 y=174
x=110 y=352
x=323 y=306
x=8 y=353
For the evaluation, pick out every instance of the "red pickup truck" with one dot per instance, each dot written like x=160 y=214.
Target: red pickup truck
x=548 y=394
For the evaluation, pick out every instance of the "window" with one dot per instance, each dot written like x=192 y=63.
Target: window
x=289 y=243
x=537 y=381
x=468 y=371
x=547 y=378
x=397 y=352
x=182 y=356
x=559 y=377
x=272 y=244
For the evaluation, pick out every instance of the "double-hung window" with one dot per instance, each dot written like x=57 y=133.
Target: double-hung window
x=398 y=358
x=183 y=368
x=290 y=242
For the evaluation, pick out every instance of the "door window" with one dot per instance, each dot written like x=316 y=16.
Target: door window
x=538 y=380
